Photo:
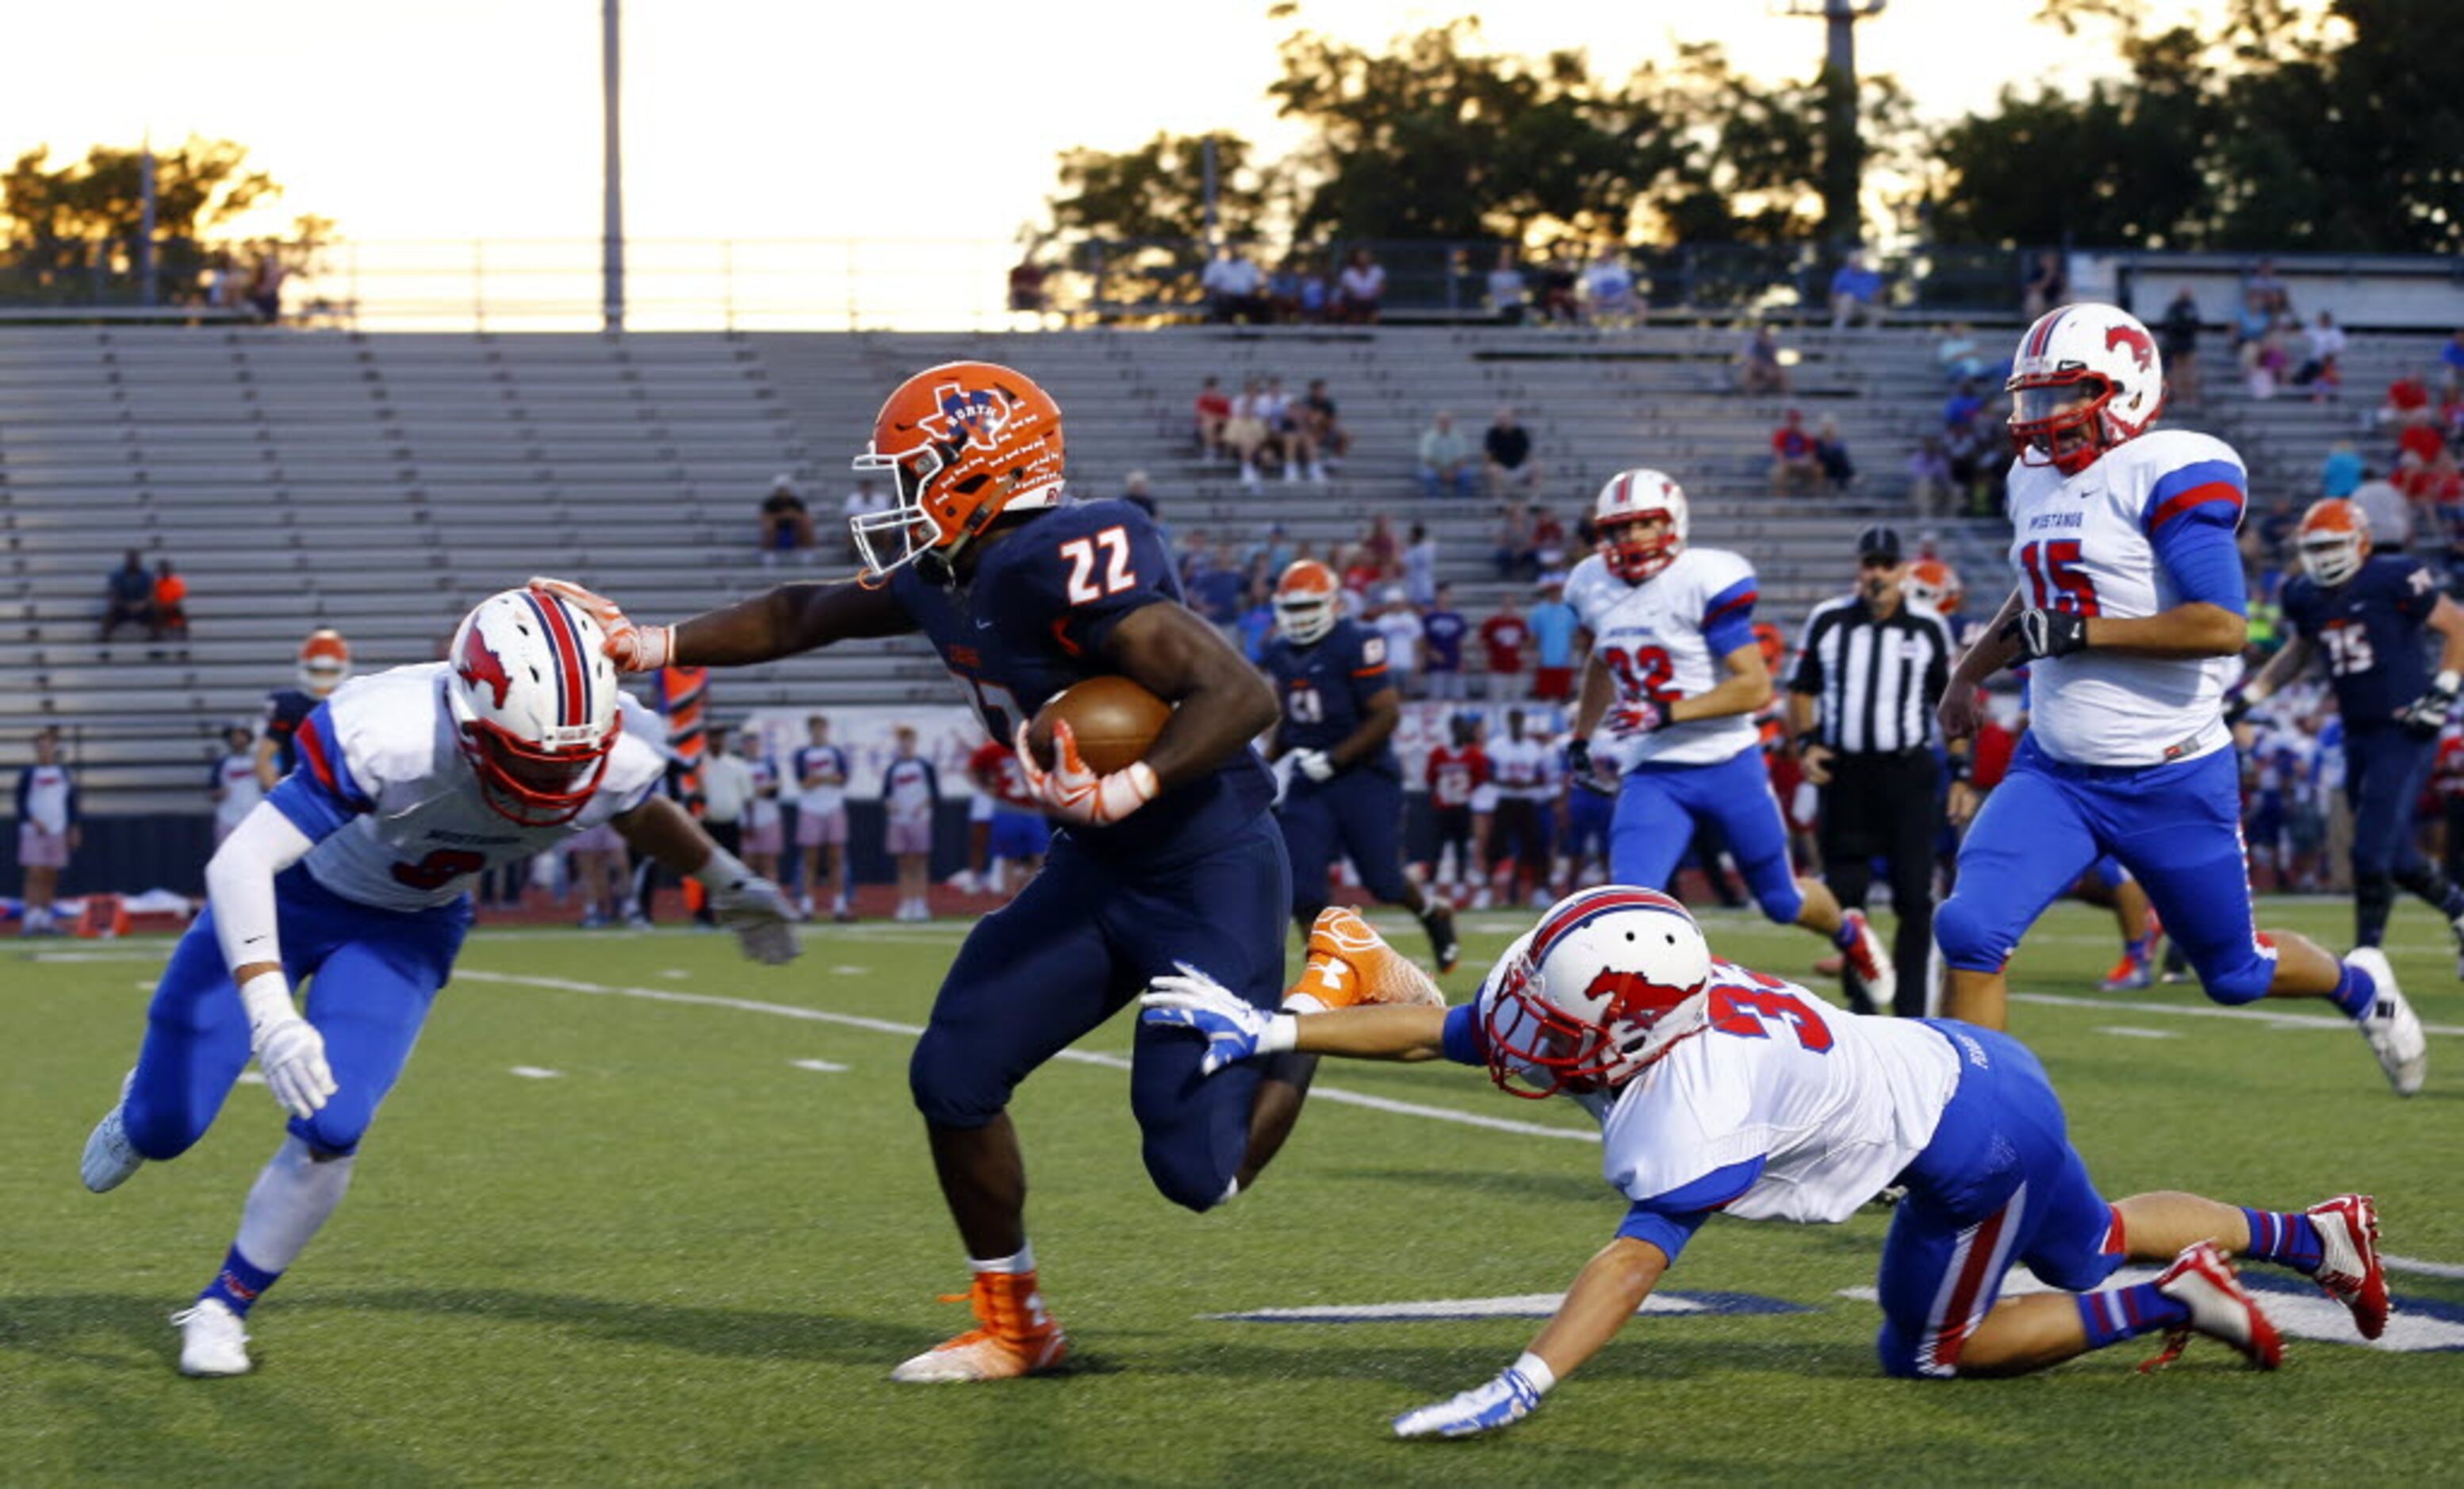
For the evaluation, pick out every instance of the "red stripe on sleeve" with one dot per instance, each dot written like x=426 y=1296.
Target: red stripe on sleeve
x=2197 y=495
x=312 y=748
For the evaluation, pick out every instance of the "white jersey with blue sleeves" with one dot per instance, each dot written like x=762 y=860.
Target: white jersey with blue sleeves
x=398 y=813
x=2088 y=543
x=1834 y=1104
x=1664 y=639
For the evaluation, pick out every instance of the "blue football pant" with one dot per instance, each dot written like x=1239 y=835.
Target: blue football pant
x=372 y=975
x=1657 y=810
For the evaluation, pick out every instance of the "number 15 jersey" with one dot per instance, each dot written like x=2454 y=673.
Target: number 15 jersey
x=1665 y=639
x=2093 y=544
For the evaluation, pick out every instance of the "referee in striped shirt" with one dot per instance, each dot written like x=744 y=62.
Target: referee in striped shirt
x=1869 y=670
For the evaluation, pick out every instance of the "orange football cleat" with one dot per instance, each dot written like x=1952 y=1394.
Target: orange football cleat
x=1015 y=1336
x=1351 y=964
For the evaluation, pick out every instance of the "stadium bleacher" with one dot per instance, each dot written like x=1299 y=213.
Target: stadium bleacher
x=382 y=483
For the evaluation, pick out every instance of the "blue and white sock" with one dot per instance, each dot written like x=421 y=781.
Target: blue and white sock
x=2285 y=1239
x=2122 y=1313
x=2356 y=991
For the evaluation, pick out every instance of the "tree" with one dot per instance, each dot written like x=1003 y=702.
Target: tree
x=72 y=226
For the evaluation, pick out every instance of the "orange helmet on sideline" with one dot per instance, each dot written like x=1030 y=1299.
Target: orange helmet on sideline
x=1933 y=583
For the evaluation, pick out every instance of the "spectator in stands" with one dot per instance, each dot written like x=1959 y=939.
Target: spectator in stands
x=2267 y=360
x=1421 y=566
x=786 y=524
x=47 y=831
x=2251 y=322
x=1246 y=432
x=128 y=596
x=2408 y=400
x=1929 y=479
x=2047 y=285
x=1360 y=290
x=2451 y=355
x=1397 y=620
x=1504 y=642
x=2262 y=284
x=1609 y=297
x=1212 y=411
x=1295 y=433
x=1442 y=629
x=1324 y=423
x=1381 y=542
x=1855 y=291
x=1554 y=624
x=1026 y=293
x=1356 y=573
x=1134 y=490
x=1548 y=543
x=2324 y=345
x=1760 y=369
x=911 y=793
x=2433 y=482
x=234 y=786
x=1505 y=457
x=265 y=290
x=1794 y=465
x=1446 y=458
x=1830 y=451
x=1512 y=551
x=2177 y=337
x=1959 y=355
x=1233 y=288
x=170 y=607
x=1559 y=277
x=1271 y=556
x=2340 y=474
x=1217 y=590
x=1509 y=296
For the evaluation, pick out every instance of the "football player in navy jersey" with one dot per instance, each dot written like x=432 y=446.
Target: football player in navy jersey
x=2366 y=614
x=1346 y=794
x=325 y=662
x=1176 y=855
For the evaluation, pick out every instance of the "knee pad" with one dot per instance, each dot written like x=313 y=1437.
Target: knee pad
x=1899 y=1357
x=159 y=1131
x=2243 y=978
x=331 y=1133
x=1781 y=903
x=1968 y=944
x=949 y=1089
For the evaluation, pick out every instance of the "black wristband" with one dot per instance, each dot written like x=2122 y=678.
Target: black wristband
x=1811 y=737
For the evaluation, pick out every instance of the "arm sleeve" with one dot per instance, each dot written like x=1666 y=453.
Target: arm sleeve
x=1463 y=1042
x=1668 y=1221
x=1728 y=616
x=239 y=880
x=2189 y=518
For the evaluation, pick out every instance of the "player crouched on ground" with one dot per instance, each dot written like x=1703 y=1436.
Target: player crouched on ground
x=1718 y=1088
x=354 y=874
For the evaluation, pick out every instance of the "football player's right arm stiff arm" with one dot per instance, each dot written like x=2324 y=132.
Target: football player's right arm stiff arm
x=1606 y=1293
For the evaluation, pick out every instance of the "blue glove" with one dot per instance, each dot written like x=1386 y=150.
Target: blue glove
x=1508 y=1399
x=1233 y=1029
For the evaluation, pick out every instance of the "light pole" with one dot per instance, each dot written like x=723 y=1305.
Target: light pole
x=612 y=173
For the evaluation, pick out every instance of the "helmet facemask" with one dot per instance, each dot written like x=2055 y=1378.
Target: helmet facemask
x=534 y=785
x=2061 y=421
x=1633 y=554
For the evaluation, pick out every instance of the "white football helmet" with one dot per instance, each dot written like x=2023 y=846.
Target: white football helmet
x=1630 y=498
x=1582 y=1004
x=2086 y=377
x=1307 y=601
x=534 y=704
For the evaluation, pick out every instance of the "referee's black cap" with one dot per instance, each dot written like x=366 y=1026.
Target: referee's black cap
x=1878 y=542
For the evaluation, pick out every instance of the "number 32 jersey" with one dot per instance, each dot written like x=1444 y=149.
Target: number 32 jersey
x=2087 y=544
x=396 y=814
x=1665 y=639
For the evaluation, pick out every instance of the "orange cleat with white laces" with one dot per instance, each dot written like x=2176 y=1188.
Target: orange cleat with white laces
x=1015 y=1336
x=1351 y=964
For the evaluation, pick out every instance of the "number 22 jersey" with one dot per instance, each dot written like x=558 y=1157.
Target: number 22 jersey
x=1667 y=639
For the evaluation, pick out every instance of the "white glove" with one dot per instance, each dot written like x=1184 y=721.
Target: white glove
x=753 y=909
x=1232 y=1030
x=1635 y=716
x=1315 y=764
x=1508 y=1399
x=633 y=648
x=291 y=1054
x=1075 y=793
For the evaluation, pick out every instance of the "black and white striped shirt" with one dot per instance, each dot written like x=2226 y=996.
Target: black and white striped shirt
x=1876 y=681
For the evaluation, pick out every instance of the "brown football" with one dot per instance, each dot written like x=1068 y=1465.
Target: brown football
x=1113 y=718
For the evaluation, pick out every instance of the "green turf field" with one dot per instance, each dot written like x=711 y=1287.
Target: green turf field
x=692 y=1252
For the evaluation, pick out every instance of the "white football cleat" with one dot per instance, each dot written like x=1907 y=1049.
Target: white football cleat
x=1871 y=963
x=109 y=1159
x=2349 y=1267
x=2390 y=1025
x=2204 y=1282
x=212 y=1341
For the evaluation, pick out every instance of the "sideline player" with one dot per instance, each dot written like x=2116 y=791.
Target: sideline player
x=2366 y=614
x=2130 y=614
x=325 y=662
x=1340 y=708
x=1455 y=773
x=354 y=875
x=1023 y=594
x=822 y=773
x=1676 y=674
x=1720 y=1090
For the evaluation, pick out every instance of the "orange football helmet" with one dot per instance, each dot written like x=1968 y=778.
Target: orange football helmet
x=2335 y=539
x=324 y=661
x=1774 y=644
x=1931 y=581
x=1308 y=600
x=964 y=443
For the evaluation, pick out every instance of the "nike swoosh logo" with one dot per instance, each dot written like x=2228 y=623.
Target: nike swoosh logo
x=983 y=626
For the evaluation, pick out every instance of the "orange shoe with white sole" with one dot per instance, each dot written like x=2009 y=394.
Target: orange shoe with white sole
x=1351 y=964
x=1016 y=1336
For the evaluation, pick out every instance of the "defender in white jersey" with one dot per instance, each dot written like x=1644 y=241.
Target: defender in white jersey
x=1718 y=1088
x=2130 y=612
x=355 y=872
x=1670 y=687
